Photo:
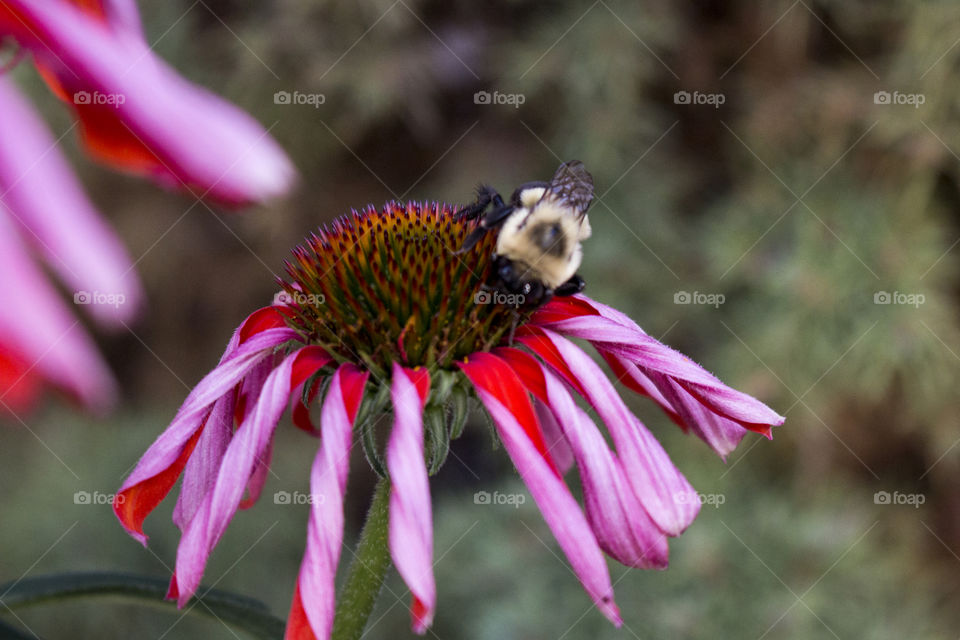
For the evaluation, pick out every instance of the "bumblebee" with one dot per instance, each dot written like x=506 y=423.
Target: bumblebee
x=541 y=227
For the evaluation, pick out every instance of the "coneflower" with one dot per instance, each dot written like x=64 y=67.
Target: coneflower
x=380 y=314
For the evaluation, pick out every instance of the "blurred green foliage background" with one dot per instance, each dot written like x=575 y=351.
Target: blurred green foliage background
x=801 y=199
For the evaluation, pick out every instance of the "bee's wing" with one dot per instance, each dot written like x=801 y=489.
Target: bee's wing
x=572 y=185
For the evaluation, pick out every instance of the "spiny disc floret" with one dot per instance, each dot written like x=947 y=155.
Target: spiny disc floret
x=375 y=287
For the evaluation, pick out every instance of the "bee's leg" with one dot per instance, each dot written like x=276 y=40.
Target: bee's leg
x=570 y=287
x=493 y=218
x=513 y=327
x=485 y=196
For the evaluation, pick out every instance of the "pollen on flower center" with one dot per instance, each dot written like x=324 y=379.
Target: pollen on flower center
x=388 y=286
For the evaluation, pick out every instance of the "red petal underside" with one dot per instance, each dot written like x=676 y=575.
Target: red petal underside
x=173 y=591
x=498 y=378
x=534 y=339
x=309 y=361
x=562 y=309
x=301 y=411
x=527 y=368
x=261 y=320
x=19 y=386
x=133 y=505
x=420 y=377
x=418 y=615
x=352 y=382
x=298 y=626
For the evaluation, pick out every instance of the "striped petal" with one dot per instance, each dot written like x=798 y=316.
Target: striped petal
x=666 y=495
x=621 y=525
x=499 y=389
x=39 y=328
x=160 y=466
x=249 y=444
x=55 y=216
x=138 y=114
x=616 y=335
x=315 y=601
x=411 y=520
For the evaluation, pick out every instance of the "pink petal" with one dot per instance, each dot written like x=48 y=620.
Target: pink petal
x=553 y=434
x=169 y=447
x=411 y=522
x=201 y=469
x=54 y=215
x=615 y=333
x=559 y=508
x=665 y=494
x=37 y=324
x=328 y=485
x=248 y=444
x=164 y=125
x=621 y=525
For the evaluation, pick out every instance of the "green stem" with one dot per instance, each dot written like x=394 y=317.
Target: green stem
x=367 y=571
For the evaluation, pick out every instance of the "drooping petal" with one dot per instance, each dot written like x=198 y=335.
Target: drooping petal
x=619 y=521
x=201 y=467
x=411 y=520
x=149 y=482
x=36 y=323
x=614 y=333
x=315 y=599
x=559 y=508
x=54 y=215
x=665 y=494
x=557 y=443
x=138 y=114
x=249 y=443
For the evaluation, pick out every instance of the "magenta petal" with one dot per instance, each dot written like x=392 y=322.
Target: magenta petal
x=201 y=469
x=36 y=321
x=46 y=200
x=249 y=443
x=560 y=510
x=165 y=450
x=411 y=521
x=328 y=485
x=553 y=435
x=666 y=495
x=615 y=333
x=619 y=521
x=198 y=139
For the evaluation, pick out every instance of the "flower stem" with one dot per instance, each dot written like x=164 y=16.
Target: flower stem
x=367 y=571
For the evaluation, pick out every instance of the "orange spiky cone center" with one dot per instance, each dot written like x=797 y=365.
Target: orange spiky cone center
x=377 y=287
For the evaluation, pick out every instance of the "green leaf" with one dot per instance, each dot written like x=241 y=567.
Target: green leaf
x=240 y=612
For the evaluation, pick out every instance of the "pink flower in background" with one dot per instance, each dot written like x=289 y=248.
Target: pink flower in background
x=44 y=211
x=134 y=114
x=381 y=314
